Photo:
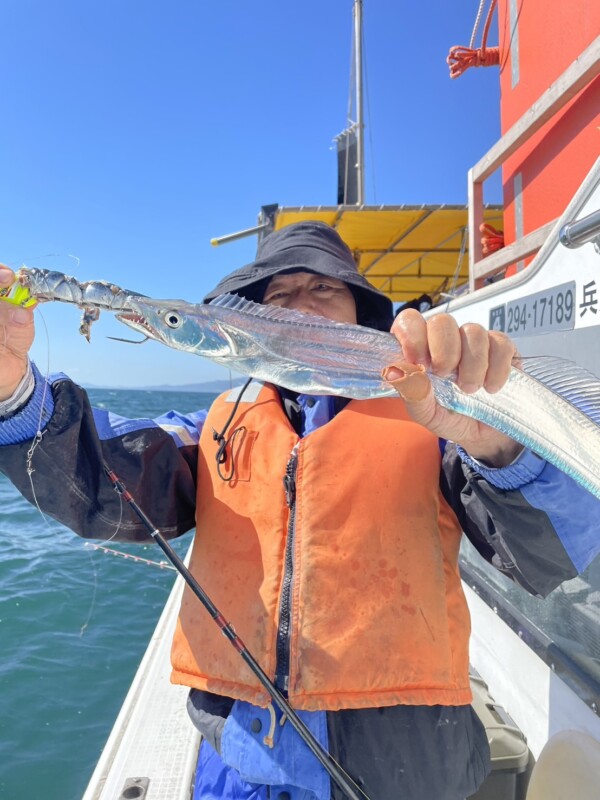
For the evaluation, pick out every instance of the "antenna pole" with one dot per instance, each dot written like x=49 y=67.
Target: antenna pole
x=360 y=148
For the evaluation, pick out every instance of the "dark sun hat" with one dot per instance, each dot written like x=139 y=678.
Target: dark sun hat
x=308 y=247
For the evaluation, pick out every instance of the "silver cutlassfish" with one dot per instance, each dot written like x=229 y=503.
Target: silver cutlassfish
x=548 y=404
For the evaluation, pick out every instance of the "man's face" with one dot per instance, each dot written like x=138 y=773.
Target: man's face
x=312 y=294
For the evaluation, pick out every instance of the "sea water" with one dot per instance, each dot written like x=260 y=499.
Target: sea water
x=74 y=625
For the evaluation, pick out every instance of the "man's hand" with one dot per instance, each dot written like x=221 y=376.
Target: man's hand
x=479 y=358
x=16 y=337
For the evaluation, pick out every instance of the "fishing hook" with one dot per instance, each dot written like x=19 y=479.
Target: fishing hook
x=129 y=341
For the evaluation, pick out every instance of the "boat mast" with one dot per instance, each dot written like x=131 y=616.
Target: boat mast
x=358 y=73
x=350 y=142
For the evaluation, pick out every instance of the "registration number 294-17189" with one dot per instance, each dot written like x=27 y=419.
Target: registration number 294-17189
x=543 y=312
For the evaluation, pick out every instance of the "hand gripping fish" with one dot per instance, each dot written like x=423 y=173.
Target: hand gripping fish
x=548 y=404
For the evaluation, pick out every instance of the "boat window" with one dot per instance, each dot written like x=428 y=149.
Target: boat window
x=563 y=628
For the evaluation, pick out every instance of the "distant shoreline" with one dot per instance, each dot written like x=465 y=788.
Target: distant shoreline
x=207 y=386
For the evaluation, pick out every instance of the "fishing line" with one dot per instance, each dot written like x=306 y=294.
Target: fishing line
x=451 y=283
x=111 y=551
x=39 y=432
x=93 y=603
x=37 y=439
x=461 y=255
x=45 y=255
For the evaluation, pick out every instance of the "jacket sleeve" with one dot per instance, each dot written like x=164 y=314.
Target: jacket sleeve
x=530 y=520
x=55 y=447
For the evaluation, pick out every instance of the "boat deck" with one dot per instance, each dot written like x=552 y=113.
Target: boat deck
x=152 y=751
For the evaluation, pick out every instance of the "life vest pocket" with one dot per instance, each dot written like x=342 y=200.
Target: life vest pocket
x=235 y=461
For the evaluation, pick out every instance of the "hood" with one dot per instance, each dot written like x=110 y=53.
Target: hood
x=308 y=247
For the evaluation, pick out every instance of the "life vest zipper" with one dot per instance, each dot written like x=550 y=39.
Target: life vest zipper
x=282 y=669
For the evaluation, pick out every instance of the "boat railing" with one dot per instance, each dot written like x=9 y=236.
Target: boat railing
x=579 y=232
x=575 y=78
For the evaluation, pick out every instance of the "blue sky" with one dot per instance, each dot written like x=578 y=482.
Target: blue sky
x=134 y=131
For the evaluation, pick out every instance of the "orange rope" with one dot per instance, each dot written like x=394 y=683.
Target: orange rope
x=491 y=239
x=461 y=58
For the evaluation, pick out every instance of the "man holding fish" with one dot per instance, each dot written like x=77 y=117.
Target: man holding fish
x=327 y=534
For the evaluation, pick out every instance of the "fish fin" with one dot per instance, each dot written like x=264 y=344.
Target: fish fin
x=243 y=306
x=573 y=383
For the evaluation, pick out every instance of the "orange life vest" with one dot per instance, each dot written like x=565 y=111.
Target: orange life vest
x=378 y=616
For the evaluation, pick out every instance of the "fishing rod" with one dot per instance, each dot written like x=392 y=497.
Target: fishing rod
x=341 y=778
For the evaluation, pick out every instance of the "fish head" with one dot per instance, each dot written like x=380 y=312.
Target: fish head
x=175 y=323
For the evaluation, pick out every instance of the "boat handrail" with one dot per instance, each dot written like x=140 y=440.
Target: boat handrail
x=579 y=232
x=493 y=263
x=575 y=78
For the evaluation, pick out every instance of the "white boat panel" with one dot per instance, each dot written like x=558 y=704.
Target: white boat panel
x=539 y=702
x=153 y=736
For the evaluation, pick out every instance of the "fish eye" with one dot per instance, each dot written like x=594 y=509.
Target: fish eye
x=173 y=319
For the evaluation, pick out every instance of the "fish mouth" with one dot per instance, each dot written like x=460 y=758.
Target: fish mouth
x=139 y=323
